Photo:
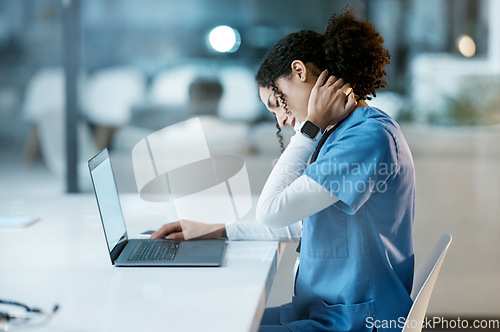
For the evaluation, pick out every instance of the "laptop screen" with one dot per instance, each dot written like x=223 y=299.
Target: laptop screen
x=107 y=199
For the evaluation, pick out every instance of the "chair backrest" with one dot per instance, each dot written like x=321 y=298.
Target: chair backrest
x=44 y=93
x=110 y=94
x=171 y=86
x=423 y=283
x=51 y=130
x=240 y=94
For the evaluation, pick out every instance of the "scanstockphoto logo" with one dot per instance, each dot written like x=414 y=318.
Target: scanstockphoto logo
x=175 y=165
x=439 y=323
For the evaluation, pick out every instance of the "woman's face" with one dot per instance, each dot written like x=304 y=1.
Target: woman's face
x=296 y=90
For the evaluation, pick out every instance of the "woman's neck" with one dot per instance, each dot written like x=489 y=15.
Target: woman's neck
x=360 y=104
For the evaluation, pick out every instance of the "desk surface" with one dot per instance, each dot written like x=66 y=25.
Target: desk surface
x=63 y=259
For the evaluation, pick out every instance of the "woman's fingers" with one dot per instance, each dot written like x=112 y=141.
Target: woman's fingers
x=331 y=80
x=346 y=89
x=188 y=230
x=338 y=84
x=321 y=79
x=330 y=101
x=351 y=103
x=175 y=236
x=166 y=229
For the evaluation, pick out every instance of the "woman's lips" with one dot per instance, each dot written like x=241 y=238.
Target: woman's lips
x=292 y=124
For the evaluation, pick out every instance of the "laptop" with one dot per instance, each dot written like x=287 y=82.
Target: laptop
x=143 y=252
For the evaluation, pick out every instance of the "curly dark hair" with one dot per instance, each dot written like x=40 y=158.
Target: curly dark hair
x=350 y=48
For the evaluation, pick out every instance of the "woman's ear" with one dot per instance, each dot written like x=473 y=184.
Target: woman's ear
x=300 y=70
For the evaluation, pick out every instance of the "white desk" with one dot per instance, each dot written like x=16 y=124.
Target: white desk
x=63 y=259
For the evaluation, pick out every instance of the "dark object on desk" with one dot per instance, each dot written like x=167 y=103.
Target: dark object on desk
x=142 y=252
x=30 y=313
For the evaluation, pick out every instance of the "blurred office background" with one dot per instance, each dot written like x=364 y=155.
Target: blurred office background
x=139 y=66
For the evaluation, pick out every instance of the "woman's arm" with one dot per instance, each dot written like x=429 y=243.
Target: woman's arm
x=251 y=230
x=288 y=196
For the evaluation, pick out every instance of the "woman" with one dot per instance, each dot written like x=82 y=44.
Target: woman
x=356 y=197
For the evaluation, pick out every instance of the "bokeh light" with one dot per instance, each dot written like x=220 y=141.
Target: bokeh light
x=224 y=39
x=466 y=46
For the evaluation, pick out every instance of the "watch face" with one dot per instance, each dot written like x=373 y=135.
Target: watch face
x=310 y=129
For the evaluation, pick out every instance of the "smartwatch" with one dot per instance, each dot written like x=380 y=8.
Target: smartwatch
x=310 y=129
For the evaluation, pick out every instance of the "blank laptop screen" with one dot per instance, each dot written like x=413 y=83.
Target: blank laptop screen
x=109 y=203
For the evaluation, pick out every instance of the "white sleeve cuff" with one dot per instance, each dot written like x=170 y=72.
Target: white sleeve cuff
x=252 y=230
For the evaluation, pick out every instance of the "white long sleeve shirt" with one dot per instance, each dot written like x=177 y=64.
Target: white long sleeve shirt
x=251 y=230
x=287 y=197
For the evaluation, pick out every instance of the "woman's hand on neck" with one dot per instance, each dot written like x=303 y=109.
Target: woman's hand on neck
x=331 y=100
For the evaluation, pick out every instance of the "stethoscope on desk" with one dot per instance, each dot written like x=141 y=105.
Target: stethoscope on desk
x=29 y=314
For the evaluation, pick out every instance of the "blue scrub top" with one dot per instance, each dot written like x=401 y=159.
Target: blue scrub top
x=356 y=260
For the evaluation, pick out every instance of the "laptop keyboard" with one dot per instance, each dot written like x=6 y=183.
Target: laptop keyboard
x=164 y=250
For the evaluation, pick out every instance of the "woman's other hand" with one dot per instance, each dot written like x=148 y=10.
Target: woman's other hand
x=189 y=230
x=330 y=101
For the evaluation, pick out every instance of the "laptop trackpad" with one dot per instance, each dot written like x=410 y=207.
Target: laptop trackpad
x=200 y=248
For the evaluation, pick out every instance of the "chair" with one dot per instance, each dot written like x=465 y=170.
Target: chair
x=169 y=96
x=51 y=128
x=240 y=94
x=423 y=283
x=44 y=106
x=109 y=97
x=110 y=93
x=44 y=94
x=171 y=86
